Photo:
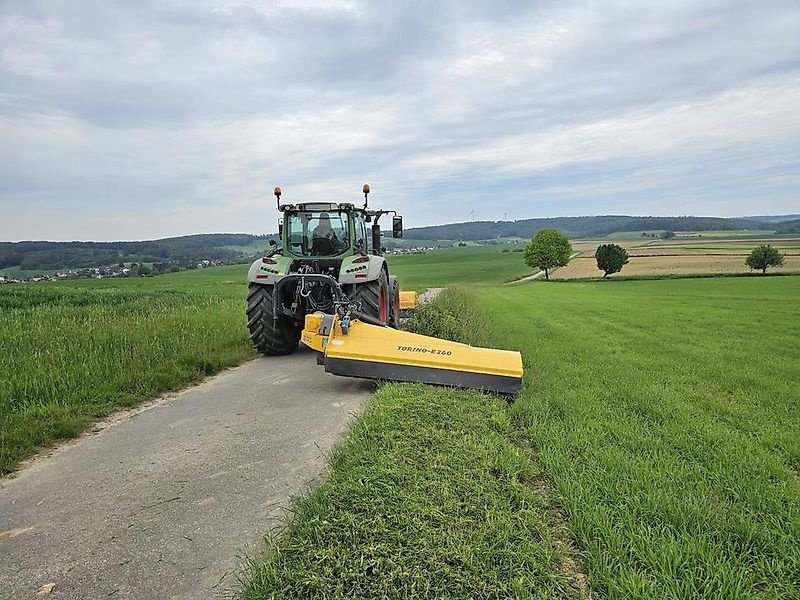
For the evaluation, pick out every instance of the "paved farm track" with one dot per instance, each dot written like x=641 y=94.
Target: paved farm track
x=166 y=503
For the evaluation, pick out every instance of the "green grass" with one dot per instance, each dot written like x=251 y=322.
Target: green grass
x=18 y=272
x=427 y=498
x=79 y=350
x=666 y=415
x=466 y=265
x=737 y=233
x=742 y=248
x=634 y=235
x=663 y=413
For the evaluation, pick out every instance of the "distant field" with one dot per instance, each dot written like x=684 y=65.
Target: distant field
x=17 y=272
x=468 y=265
x=673 y=257
x=684 y=235
x=744 y=233
x=646 y=266
x=76 y=351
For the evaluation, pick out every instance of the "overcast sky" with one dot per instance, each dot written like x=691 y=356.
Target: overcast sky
x=146 y=119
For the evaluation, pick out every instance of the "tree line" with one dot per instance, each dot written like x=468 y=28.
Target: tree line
x=579 y=227
x=50 y=256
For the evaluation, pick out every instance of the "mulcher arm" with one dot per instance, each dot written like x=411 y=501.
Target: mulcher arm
x=354 y=348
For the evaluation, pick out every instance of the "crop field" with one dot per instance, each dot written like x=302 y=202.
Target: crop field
x=670 y=257
x=671 y=264
x=768 y=235
x=73 y=352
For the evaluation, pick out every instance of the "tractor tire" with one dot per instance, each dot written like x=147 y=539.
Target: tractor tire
x=394 y=303
x=269 y=336
x=374 y=297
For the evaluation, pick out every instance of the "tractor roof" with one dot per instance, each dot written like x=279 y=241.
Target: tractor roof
x=319 y=206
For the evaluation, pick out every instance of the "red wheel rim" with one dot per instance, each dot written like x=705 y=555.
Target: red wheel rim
x=383 y=310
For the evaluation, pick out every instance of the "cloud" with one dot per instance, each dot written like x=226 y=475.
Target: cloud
x=150 y=119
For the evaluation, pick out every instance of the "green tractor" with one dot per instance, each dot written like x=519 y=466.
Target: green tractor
x=329 y=255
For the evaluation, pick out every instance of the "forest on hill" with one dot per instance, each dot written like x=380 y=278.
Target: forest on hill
x=580 y=227
x=49 y=256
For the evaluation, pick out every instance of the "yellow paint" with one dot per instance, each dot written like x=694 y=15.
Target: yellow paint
x=408 y=300
x=371 y=343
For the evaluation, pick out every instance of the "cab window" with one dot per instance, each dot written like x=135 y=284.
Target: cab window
x=318 y=233
x=361 y=233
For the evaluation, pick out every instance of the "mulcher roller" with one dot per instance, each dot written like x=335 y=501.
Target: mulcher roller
x=354 y=348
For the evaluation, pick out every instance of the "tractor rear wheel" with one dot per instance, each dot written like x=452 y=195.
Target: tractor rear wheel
x=269 y=336
x=394 y=303
x=374 y=297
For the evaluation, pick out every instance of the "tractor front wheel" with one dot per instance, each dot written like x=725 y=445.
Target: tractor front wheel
x=269 y=336
x=374 y=297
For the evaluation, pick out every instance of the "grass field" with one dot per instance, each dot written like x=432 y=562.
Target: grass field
x=655 y=447
x=80 y=349
x=665 y=414
x=465 y=265
x=748 y=234
x=662 y=414
x=73 y=352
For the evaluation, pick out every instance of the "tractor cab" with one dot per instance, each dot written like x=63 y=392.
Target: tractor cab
x=318 y=230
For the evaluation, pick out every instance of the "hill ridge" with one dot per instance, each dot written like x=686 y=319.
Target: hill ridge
x=236 y=247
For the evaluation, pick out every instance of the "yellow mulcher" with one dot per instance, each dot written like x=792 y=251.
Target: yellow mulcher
x=354 y=348
x=328 y=285
x=353 y=344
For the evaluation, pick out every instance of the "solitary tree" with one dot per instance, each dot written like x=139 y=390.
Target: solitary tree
x=547 y=250
x=763 y=257
x=610 y=258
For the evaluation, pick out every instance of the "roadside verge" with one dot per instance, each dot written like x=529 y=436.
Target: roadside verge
x=426 y=499
x=431 y=495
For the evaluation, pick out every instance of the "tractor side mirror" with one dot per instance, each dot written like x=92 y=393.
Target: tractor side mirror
x=376 y=237
x=397 y=227
x=280 y=228
x=273 y=243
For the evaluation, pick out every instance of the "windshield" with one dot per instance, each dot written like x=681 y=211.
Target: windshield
x=318 y=233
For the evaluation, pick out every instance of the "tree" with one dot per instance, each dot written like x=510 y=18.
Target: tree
x=611 y=258
x=763 y=257
x=547 y=250
x=667 y=235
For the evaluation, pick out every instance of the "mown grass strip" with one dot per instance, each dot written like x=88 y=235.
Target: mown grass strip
x=426 y=499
